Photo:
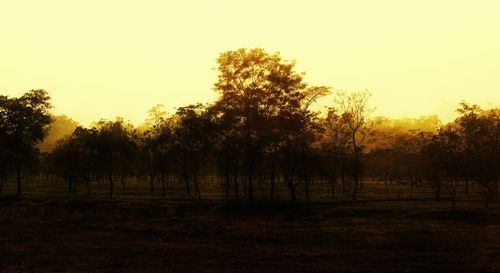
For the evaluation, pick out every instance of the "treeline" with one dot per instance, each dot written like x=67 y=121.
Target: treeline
x=261 y=130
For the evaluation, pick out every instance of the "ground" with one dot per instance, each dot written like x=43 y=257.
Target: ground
x=96 y=235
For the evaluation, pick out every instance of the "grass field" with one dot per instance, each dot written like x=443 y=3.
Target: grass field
x=136 y=233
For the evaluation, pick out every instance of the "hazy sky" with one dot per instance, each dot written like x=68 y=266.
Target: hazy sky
x=112 y=58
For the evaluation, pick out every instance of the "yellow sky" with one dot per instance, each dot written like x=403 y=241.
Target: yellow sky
x=107 y=58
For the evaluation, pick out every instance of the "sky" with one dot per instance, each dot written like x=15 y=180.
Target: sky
x=102 y=59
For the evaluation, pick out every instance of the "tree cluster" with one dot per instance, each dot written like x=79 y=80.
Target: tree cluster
x=259 y=136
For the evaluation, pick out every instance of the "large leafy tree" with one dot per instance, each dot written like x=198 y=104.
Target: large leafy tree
x=259 y=93
x=24 y=122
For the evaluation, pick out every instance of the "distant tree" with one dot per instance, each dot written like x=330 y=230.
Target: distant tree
x=353 y=109
x=157 y=143
x=386 y=130
x=406 y=161
x=192 y=134
x=24 y=122
x=61 y=127
x=336 y=145
x=84 y=141
x=76 y=158
x=114 y=145
x=147 y=165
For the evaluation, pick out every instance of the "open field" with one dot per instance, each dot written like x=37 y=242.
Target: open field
x=80 y=234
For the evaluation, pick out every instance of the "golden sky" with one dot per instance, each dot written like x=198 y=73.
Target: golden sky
x=107 y=58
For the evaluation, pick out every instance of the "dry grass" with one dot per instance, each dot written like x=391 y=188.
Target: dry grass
x=78 y=234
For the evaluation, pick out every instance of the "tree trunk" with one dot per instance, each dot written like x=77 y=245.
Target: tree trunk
x=197 y=193
x=87 y=183
x=272 y=186
x=490 y=193
x=122 y=178
x=437 y=190
x=110 y=179
x=306 y=185
x=289 y=181
x=273 y=173
x=186 y=180
x=151 y=183
x=236 y=185
x=496 y=187
x=356 y=168
x=151 y=175
x=412 y=184
x=163 y=184
x=333 y=181
x=245 y=192
x=18 y=170
x=70 y=184
x=250 y=185
x=466 y=186
x=452 y=189
x=227 y=182
x=344 y=190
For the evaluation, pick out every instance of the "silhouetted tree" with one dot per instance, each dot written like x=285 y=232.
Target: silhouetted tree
x=336 y=146
x=479 y=132
x=192 y=134
x=113 y=144
x=255 y=86
x=262 y=96
x=158 y=140
x=298 y=128
x=226 y=146
x=74 y=157
x=24 y=122
x=353 y=108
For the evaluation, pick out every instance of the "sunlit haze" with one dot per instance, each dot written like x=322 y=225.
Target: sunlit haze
x=102 y=59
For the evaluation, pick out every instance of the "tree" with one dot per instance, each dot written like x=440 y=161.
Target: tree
x=157 y=144
x=479 y=132
x=61 y=127
x=226 y=148
x=5 y=156
x=192 y=134
x=493 y=141
x=256 y=89
x=72 y=158
x=114 y=145
x=353 y=109
x=298 y=128
x=24 y=122
x=335 y=143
